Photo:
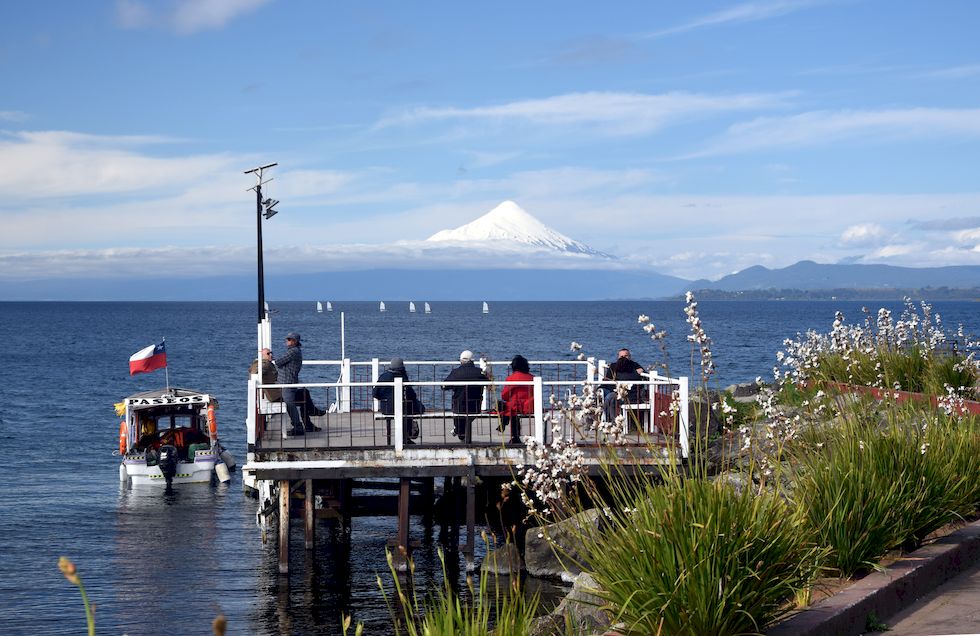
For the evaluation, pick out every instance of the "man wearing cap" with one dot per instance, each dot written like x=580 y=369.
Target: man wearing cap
x=289 y=365
x=466 y=399
x=410 y=401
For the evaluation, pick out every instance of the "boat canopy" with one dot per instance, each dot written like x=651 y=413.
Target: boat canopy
x=172 y=397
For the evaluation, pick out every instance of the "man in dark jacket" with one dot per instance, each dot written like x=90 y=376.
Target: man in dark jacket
x=410 y=402
x=289 y=365
x=466 y=399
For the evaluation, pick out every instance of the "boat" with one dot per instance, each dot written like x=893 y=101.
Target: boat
x=329 y=306
x=411 y=307
x=382 y=306
x=428 y=309
x=486 y=307
x=170 y=436
x=319 y=307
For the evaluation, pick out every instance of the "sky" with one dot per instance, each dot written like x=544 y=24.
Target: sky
x=695 y=139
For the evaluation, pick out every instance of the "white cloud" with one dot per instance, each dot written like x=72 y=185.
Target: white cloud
x=184 y=16
x=967 y=237
x=954 y=72
x=13 y=116
x=862 y=234
x=747 y=12
x=891 y=251
x=43 y=164
x=614 y=113
x=826 y=127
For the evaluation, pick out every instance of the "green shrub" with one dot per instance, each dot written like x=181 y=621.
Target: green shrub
x=699 y=557
x=444 y=613
x=868 y=489
x=949 y=371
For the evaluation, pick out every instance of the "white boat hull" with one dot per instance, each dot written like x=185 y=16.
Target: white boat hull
x=200 y=470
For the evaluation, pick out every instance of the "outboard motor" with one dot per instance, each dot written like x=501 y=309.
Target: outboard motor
x=168 y=463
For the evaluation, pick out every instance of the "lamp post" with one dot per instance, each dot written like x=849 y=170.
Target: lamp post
x=262 y=208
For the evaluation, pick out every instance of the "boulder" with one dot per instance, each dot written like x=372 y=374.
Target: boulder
x=554 y=551
x=580 y=609
x=504 y=559
x=745 y=390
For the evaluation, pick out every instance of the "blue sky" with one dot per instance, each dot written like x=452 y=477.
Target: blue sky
x=695 y=138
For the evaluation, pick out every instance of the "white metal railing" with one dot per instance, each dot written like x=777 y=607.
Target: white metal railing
x=661 y=392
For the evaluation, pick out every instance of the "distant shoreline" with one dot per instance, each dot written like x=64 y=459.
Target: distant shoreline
x=872 y=294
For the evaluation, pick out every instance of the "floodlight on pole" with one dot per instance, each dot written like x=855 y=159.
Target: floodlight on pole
x=267 y=206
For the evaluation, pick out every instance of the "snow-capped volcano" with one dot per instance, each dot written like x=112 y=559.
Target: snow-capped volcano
x=509 y=222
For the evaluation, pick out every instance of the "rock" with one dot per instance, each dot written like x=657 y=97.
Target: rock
x=745 y=390
x=554 y=551
x=581 y=606
x=505 y=559
x=737 y=480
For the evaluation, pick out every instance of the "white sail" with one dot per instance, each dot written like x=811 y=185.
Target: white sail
x=329 y=306
x=382 y=306
x=411 y=306
x=486 y=307
x=428 y=309
x=319 y=307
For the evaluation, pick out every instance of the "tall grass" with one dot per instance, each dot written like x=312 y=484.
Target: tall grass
x=699 y=557
x=869 y=487
x=497 y=609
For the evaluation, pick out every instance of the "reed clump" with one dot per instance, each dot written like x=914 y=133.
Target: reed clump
x=492 y=608
x=822 y=483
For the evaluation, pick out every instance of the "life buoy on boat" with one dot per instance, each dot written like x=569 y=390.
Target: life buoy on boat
x=122 y=437
x=212 y=423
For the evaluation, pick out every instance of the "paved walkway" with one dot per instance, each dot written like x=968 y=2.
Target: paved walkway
x=952 y=608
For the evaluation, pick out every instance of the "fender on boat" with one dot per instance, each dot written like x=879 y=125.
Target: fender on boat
x=222 y=472
x=228 y=459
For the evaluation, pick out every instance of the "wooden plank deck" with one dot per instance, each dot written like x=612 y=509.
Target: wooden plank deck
x=355 y=445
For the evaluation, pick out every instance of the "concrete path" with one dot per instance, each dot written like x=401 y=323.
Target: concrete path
x=952 y=608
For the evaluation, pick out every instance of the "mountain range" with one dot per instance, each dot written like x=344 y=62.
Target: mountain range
x=807 y=275
x=505 y=254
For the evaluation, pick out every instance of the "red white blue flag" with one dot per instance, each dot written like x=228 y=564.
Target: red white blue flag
x=149 y=359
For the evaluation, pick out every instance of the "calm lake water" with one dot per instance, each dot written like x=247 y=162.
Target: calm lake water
x=157 y=564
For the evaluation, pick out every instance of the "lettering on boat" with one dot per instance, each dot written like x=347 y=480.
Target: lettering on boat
x=167 y=399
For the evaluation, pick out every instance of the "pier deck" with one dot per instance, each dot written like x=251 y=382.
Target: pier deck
x=358 y=443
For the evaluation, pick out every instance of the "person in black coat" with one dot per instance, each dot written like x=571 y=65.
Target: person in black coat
x=411 y=405
x=466 y=399
x=623 y=371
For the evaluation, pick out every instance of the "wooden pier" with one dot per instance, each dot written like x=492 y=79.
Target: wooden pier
x=359 y=448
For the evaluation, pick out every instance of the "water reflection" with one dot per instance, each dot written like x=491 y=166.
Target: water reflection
x=165 y=550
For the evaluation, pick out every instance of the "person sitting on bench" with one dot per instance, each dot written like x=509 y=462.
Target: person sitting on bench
x=411 y=405
x=624 y=370
x=466 y=399
x=516 y=400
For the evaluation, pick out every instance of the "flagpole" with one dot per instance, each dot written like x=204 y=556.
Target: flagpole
x=166 y=368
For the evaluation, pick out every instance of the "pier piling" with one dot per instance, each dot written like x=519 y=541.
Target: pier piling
x=284 y=526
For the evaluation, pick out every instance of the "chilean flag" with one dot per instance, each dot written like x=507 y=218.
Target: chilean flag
x=149 y=359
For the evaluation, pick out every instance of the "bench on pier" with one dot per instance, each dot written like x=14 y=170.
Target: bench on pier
x=441 y=415
x=271 y=408
x=659 y=423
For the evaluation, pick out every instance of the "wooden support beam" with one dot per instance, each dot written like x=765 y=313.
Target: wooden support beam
x=404 y=494
x=470 y=549
x=347 y=503
x=309 y=508
x=427 y=490
x=284 y=526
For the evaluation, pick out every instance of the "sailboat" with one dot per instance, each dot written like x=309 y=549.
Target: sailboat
x=428 y=309
x=319 y=307
x=411 y=307
x=329 y=306
x=486 y=307
x=382 y=306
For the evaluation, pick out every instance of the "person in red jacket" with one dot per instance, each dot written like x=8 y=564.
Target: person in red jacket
x=517 y=399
